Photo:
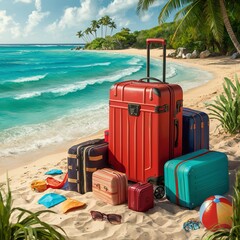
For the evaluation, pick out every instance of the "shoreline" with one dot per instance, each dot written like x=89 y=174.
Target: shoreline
x=192 y=97
x=164 y=221
x=219 y=67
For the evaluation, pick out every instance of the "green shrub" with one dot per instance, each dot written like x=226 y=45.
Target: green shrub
x=96 y=44
x=226 y=108
x=234 y=232
x=27 y=226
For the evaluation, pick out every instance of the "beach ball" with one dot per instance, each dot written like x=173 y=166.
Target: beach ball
x=216 y=212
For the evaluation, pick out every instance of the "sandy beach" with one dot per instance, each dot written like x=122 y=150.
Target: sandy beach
x=165 y=220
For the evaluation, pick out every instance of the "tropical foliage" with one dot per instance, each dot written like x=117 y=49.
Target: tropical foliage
x=27 y=225
x=198 y=25
x=90 y=33
x=206 y=17
x=234 y=232
x=120 y=40
x=226 y=108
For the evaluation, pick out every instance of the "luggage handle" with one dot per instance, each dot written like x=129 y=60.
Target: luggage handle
x=163 y=43
x=150 y=78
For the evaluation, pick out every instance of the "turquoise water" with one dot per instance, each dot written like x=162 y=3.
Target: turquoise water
x=50 y=94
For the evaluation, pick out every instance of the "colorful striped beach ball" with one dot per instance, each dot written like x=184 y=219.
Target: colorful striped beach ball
x=216 y=212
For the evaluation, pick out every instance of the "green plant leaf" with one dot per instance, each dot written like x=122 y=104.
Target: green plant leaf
x=226 y=107
x=28 y=224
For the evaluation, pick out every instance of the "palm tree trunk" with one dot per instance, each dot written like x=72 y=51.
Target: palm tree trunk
x=228 y=26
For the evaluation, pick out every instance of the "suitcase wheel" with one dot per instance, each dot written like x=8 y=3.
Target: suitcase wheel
x=159 y=192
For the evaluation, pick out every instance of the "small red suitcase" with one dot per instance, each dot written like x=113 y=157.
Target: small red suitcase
x=140 y=197
x=110 y=186
x=145 y=125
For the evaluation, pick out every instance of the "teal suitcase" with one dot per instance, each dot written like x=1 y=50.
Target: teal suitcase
x=193 y=177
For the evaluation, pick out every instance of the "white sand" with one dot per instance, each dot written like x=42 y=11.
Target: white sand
x=165 y=220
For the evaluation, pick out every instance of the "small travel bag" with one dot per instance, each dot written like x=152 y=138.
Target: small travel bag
x=140 y=197
x=193 y=177
x=84 y=159
x=195 y=130
x=110 y=186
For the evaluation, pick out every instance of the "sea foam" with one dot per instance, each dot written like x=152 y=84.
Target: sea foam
x=80 y=85
x=78 y=123
x=29 y=79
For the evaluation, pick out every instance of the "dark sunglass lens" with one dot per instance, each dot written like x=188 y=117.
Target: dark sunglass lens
x=96 y=215
x=114 y=218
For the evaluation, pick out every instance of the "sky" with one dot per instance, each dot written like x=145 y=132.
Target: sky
x=58 y=21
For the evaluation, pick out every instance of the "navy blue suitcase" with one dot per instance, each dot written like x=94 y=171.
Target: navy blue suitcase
x=84 y=159
x=195 y=130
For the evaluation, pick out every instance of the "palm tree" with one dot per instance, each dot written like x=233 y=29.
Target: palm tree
x=112 y=26
x=81 y=34
x=228 y=26
x=201 y=14
x=95 y=25
x=87 y=32
x=106 y=20
x=100 y=22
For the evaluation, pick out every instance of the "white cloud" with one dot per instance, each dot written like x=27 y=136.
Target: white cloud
x=118 y=6
x=23 y=1
x=35 y=18
x=76 y=16
x=157 y=3
x=146 y=17
x=4 y=21
x=38 y=5
x=70 y=18
x=7 y=24
x=15 y=31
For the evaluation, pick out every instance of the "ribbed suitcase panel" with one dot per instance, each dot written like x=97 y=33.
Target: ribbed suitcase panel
x=195 y=130
x=189 y=182
x=83 y=160
x=139 y=145
x=110 y=186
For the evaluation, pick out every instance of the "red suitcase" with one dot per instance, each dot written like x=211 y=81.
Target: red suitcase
x=140 y=197
x=145 y=124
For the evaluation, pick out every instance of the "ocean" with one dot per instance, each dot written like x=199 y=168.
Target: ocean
x=52 y=94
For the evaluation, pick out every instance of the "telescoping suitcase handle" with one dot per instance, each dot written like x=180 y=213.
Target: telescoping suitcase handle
x=163 y=42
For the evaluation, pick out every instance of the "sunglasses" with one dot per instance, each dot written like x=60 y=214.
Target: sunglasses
x=112 y=218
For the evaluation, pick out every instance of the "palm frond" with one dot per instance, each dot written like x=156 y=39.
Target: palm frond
x=171 y=6
x=187 y=16
x=214 y=18
x=143 y=5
